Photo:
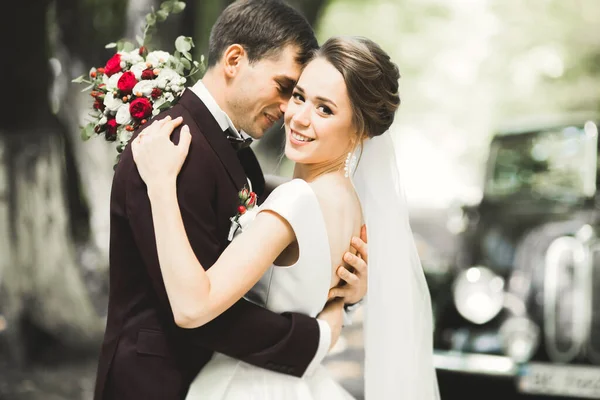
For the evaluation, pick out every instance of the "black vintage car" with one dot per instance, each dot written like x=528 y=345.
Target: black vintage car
x=522 y=299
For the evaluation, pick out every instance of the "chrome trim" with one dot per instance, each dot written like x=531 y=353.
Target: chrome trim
x=578 y=332
x=591 y=158
x=593 y=354
x=472 y=363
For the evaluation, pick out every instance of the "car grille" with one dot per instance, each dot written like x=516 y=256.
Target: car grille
x=564 y=313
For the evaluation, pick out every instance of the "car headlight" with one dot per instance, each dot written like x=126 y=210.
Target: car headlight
x=478 y=294
x=520 y=338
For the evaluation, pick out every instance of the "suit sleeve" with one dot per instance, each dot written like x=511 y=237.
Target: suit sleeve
x=286 y=343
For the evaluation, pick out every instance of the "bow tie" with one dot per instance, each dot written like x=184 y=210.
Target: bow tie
x=238 y=143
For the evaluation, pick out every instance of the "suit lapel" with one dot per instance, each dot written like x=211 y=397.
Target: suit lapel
x=215 y=137
x=253 y=170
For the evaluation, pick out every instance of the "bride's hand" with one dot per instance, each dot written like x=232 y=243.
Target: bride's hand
x=157 y=158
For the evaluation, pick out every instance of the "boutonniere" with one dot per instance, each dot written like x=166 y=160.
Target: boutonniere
x=247 y=201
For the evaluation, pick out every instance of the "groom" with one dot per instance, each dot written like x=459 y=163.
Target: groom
x=256 y=52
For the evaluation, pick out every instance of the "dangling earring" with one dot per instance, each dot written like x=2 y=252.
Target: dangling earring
x=349 y=165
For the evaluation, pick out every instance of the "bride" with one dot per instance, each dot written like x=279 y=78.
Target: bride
x=336 y=127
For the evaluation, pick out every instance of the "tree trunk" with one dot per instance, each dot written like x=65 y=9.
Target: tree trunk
x=42 y=285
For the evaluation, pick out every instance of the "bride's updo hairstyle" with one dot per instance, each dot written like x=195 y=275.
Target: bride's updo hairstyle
x=371 y=81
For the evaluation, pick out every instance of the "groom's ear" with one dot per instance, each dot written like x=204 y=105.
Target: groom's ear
x=234 y=57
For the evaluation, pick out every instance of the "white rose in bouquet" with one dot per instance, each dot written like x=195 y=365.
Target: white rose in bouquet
x=157 y=57
x=131 y=57
x=123 y=116
x=112 y=82
x=111 y=103
x=137 y=69
x=144 y=88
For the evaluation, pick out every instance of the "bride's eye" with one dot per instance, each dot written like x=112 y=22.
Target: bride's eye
x=297 y=96
x=325 y=110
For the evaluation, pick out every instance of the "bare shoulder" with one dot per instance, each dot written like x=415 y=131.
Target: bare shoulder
x=336 y=194
x=328 y=187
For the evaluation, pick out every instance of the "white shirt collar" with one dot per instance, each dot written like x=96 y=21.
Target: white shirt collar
x=209 y=101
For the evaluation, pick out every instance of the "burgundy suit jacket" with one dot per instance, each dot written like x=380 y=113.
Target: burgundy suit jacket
x=144 y=354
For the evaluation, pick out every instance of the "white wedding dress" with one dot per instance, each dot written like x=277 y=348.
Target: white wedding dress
x=302 y=287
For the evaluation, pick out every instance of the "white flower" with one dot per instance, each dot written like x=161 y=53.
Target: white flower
x=168 y=74
x=144 y=88
x=102 y=120
x=166 y=77
x=111 y=103
x=111 y=83
x=131 y=57
x=123 y=116
x=158 y=57
x=137 y=69
x=176 y=88
x=166 y=97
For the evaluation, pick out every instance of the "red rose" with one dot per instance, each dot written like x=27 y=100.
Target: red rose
x=251 y=202
x=126 y=82
x=111 y=130
x=98 y=105
x=147 y=74
x=156 y=92
x=113 y=65
x=140 y=108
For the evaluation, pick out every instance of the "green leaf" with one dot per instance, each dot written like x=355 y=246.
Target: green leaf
x=196 y=64
x=182 y=44
x=128 y=46
x=165 y=105
x=167 y=6
x=79 y=79
x=178 y=7
x=179 y=67
x=186 y=63
x=88 y=131
x=161 y=15
x=187 y=55
x=150 y=19
x=88 y=87
x=110 y=46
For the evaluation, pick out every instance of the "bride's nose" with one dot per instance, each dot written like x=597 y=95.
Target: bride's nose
x=302 y=115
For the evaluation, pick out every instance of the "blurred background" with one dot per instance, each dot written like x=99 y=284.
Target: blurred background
x=496 y=137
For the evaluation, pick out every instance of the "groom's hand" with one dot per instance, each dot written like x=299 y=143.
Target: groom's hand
x=354 y=280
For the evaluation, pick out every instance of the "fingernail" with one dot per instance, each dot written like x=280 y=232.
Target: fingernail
x=187 y=128
x=347 y=256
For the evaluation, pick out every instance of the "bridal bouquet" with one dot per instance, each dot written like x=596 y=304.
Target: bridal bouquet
x=136 y=83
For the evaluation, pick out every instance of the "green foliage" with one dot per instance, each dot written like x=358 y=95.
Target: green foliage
x=166 y=8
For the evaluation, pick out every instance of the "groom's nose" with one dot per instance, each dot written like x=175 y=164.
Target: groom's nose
x=283 y=106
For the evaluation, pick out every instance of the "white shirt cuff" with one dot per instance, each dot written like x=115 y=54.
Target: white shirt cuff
x=322 y=350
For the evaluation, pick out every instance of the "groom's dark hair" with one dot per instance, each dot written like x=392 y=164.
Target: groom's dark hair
x=263 y=28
